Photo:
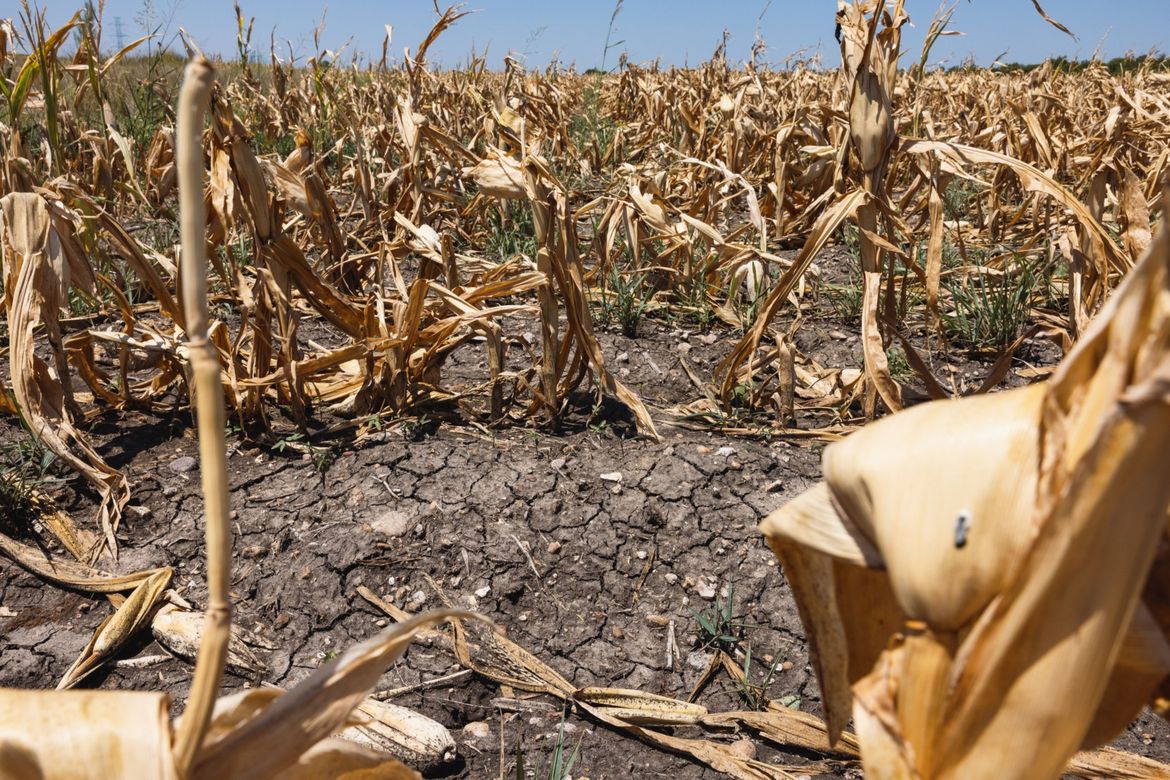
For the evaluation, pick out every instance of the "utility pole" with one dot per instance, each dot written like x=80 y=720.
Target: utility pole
x=118 y=33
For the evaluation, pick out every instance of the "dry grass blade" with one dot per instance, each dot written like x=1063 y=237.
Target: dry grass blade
x=1051 y=21
x=70 y=574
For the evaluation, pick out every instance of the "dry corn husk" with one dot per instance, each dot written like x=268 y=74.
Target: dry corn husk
x=965 y=576
x=180 y=631
x=415 y=739
x=84 y=735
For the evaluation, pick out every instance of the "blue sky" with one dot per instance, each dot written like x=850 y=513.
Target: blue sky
x=677 y=31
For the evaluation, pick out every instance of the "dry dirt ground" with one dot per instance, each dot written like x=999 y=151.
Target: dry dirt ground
x=585 y=572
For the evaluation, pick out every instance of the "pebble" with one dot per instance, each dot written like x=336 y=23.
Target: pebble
x=392 y=522
x=482 y=592
x=477 y=729
x=836 y=334
x=183 y=464
x=706 y=591
x=138 y=512
x=725 y=452
x=744 y=748
x=710 y=338
x=671 y=578
x=698 y=660
x=775 y=486
x=556 y=464
x=612 y=476
x=702 y=449
x=641 y=555
x=684 y=347
x=623 y=357
x=553 y=548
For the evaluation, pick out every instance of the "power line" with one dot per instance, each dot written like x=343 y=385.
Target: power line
x=118 y=33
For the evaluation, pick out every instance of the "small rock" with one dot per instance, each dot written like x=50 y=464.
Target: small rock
x=702 y=449
x=623 y=357
x=380 y=622
x=709 y=339
x=787 y=666
x=553 y=548
x=641 y=554
x=612 y=476
x=617 y=632
x=706 y=591
x=392 y=522
x=715 y=491
x=481 y=593
x=183 y=464
x=836 y=334
x=556 y=464
x=698 y=660
x=725 y=452
x=170 y=490
x=671 y=578
x=138 y=512
x=6 y=612
x=684 y=347
x=477 y=729
x=744 y=748
x=775 y=486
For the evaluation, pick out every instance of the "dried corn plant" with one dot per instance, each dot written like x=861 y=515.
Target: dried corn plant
x=258 y=733
x=352 y=210
x=1008 y=584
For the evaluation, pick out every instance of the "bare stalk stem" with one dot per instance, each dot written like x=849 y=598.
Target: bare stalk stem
x=205 y=369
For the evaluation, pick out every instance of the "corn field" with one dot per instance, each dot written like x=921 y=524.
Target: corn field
x=468 y=314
